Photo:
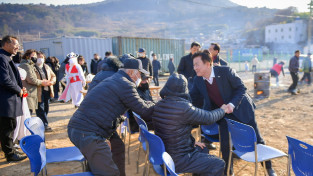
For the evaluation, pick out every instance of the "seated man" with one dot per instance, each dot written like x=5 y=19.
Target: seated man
x=144 y=93
x=173 y=119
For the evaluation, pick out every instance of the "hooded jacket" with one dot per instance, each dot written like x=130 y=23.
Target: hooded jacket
x=174 y=117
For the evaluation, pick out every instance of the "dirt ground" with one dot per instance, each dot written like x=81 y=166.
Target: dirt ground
x=280 y=115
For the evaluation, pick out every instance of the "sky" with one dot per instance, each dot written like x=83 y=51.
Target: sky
x=302 y=5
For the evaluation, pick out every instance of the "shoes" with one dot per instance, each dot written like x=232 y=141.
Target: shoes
x=271 y=172
x=211 y=146
x=48 y=129
x=17 y=151
x=16 y=157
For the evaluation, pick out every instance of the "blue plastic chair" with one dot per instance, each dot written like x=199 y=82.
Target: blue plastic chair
x=243 y=138
x=56 y=155
x=169 y=163
x=35 y=126
x=208 y=130
x=35 y=148
x=128 y=129
x=300 y=157
x=155 y=150
x=141 y=138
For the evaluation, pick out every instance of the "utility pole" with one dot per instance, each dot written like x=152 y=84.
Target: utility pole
x=309 y=25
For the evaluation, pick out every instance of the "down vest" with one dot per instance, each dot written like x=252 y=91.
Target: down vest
x=174 y=116
x=101 y=110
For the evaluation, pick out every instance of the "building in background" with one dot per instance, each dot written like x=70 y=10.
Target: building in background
x=286 y=37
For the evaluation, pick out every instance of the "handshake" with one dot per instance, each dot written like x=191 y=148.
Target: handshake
x=229 y=108
x=46 y=82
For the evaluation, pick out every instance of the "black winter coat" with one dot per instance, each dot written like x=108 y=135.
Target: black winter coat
x=146 y=64
x=174 y=117
x=185 y=67
x=10 y=87
x=103 y=106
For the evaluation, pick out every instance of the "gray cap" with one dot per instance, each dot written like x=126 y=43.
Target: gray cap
x=134 y=64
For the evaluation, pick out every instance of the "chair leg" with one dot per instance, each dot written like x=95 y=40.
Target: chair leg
x=256 y=169
x=165 y=170
x=146 y=162
x=288 y=165
x=264 y=167
x=229 y=163
x=148 y=169
x=129 y=135
x=138 y=158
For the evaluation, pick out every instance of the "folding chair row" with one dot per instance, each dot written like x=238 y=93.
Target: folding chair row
x=56 y=155
x=35 y=149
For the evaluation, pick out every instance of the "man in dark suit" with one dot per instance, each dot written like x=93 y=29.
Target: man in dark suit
x=11 y=93
x=215 y=86
x=185 y=66
x=215 y=51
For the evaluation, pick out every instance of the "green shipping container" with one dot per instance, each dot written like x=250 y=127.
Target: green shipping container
x=163 y=48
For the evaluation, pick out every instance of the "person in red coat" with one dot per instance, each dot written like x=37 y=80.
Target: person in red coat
x=276 y=69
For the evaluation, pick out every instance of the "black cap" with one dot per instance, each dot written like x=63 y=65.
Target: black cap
x=134 y=64
x=144 y=76
x=141 y=50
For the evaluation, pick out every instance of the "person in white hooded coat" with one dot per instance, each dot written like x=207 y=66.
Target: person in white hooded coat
x=75 y=81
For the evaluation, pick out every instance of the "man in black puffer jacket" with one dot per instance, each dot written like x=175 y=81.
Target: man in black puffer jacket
x=97 y=117
x=173 y=119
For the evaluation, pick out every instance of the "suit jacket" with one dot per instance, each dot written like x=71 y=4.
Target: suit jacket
x=231 y=89
x=10 y=87
x=220 y=61
x=185 y=67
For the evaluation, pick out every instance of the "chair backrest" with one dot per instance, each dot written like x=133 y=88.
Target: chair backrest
x=168 y=161
x=156 y=146
x=210 y=129
x=242 y=136
x=140 y=121
x=35 y=126
x=301 y=155
x=35 y=149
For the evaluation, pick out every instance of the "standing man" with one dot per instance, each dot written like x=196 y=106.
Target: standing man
x=97 y=118
x=215 y=86
x=294 y=69
x=11 y=93
x=215 y=51
x=171 y=66
x=185 y=66
x=146 y=63
x=94 y=64
x=254 y=62
x=307 y=68
x=156 y=67
x=107 y=54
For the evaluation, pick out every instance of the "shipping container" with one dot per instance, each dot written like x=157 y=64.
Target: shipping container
x=60 y=47
x=163 y=48
x=245 y=54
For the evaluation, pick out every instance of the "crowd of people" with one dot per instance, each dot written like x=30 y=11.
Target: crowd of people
x=205 y=90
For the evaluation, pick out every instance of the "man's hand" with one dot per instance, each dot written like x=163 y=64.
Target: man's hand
x=21 y=93
x=224 y=107
x=201 y=145
x=109 y=143
x=230 y=108
x=217 y=64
